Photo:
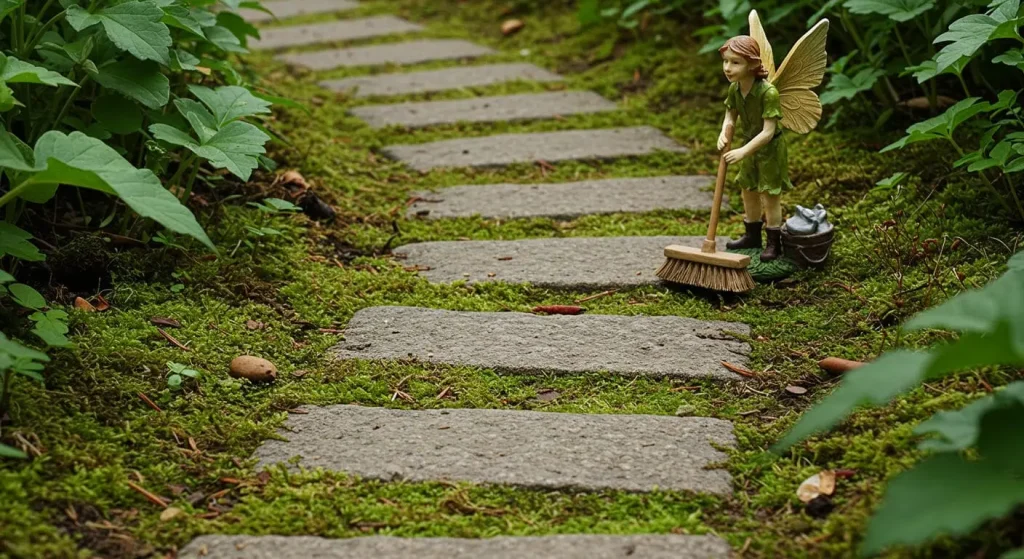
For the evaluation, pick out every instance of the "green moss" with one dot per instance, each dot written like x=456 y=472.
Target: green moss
x=96 y=433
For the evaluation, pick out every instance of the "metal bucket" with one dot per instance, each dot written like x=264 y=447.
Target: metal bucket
x=808 y=250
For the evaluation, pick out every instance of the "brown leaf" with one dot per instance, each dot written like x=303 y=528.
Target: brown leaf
x=547 y=394
x=811 y=488
x=511 y=26
x=293 y=177
x=101 y=303
x=169 y=513
x=83 y=305
x=558 y=309
x=254 y=325
x=300 y=373
x=162 y=321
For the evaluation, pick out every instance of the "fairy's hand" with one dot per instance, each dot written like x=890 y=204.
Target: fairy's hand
x=722 y=140
x=735 y=156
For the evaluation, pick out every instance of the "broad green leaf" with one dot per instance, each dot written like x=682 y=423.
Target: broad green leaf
x=201 y=120
x=238 y=27
x=183 y=60
x=236 y=147
x=942 y=126
x=959 y=430
x=897 y=10
x=79 y=160
x=136 y=27
x=230 y=102
x=13 y=70
x=14 y=243
x=26 y=296
x=589 y=12
x=1014 y=57
x=979 y=310
x=281 y=205
x=873 y=384
x=224 y=39
x=6 y=8
x=11 y=452
x=1015 y=554
x=117 y=114
x=12 y=156
x=842 y=86
x=944 y=494
x=1001 y=439
x=172 y=135
x=5 y=277
x=20 y=352
x=181 y=17
x=138 y=80
x=51 y=327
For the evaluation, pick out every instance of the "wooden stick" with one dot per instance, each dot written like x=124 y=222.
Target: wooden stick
x=173 y=341
x=738 y=370
x=716 y=205
x=597 y=296
x=151 y=497
x=149 y=402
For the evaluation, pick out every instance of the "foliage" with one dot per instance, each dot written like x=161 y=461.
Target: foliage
x=126 y=99
x=951 y=491
x=177 y=373
x=16 y=359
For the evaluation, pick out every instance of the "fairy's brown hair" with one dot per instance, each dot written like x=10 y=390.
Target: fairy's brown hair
x=747 y=47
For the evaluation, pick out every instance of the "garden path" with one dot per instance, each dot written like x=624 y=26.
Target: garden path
x=581 y=452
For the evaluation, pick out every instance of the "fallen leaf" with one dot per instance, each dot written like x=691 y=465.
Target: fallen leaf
x=83 y=305
x=511 y=26
x=293 y=177
x=821 y=483
x=921 y=103
x=845 y=473
x=169 y=513
x=796 y=390
x=101 y=303
x=254 y=325
x=161 y=321
x=558 y=309
x=300 y=373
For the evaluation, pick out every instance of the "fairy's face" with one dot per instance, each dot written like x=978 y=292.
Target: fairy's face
x=736 y=67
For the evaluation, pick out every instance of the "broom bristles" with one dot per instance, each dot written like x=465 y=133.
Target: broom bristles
x=709 y=276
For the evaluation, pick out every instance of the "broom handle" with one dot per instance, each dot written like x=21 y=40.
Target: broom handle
x=716 y=205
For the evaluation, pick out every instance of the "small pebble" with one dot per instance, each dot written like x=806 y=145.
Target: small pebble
x=256 y=369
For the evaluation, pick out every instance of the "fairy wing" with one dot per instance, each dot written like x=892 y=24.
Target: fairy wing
x=803 y=69
x=758 y=34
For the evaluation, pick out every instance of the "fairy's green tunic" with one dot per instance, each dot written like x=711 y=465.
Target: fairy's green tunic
x=767 y=170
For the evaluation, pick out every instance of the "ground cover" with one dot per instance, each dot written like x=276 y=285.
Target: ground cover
x=285 y=298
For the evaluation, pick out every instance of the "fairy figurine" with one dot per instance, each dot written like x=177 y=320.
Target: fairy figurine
x=762 y=99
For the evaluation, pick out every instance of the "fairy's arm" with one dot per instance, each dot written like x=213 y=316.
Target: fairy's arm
x=759 y=141
x=730 y=120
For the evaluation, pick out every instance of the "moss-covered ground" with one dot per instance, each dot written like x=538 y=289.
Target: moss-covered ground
x=285 y=298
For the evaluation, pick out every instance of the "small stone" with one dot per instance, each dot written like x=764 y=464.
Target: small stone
x=256 y=369
x=796 y=390
x=685 y=410
x=512 y=26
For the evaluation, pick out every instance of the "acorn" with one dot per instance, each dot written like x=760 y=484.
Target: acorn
x=256 y=369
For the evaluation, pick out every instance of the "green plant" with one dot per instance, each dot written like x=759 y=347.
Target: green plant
x=973 y=473
x=268 y=207
x=16 y=359
x=177 y=373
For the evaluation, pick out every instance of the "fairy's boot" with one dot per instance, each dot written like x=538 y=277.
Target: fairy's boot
x=750 y=239
x=773 y=249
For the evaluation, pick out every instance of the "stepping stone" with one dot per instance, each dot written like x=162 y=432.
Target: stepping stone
x=505 y=149
x=484 y=109
x=523 y=343
x=409 y=52
x=578 y=263
x=433 y=80
x=589 y=452
x=565 y=200
x=504 y=547
x=291 y=8
x=332 y=31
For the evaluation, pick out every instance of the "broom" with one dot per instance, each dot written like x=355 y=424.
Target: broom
x=706 y=267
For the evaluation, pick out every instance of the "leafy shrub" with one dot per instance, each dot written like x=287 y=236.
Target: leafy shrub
x=125 y=98
x=974 y=472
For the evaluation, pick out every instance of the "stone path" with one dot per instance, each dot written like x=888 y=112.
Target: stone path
x=579 y=263
x=505 y=149
x=384 y=547
x=484 y=109
x=290 y=8
x=331 y=31
x=509 y=447
x=565 y=200
x=410 y=52
x=563 y=451
x=441 y=80
x=510 y=342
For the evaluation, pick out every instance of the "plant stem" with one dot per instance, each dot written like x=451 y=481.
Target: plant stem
x=5 y=392
x=191 y=181
x=31 y=43
x=71 y=99
x=15 y=192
